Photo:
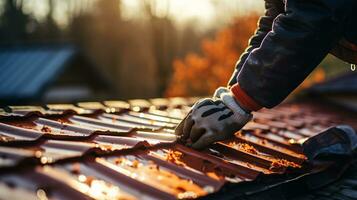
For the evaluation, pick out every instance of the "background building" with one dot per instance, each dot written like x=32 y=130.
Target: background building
x=49 y=73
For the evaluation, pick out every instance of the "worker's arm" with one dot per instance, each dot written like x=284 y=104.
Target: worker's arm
x=297 y=43
x=272 y=9
x=300 y=38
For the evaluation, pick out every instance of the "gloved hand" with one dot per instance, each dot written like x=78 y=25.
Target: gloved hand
x=212 y=120
x=219 y=91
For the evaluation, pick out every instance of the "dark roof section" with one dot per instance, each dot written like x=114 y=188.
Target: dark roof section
x=117 y=149
x=343 y=84
x=25 y=70
x=345 y=188
x=341 y=91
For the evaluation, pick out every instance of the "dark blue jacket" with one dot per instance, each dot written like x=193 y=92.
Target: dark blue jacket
x=293 y=37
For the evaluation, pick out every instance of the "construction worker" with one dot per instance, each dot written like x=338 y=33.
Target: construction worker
x=292 y=38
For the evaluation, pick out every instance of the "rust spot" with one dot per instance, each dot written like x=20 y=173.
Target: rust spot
x=174 y=156
x=263 y=141
x=135 y=164
x=118 y=161
x=89 y=180
x=46 y=129
x=180 y=189
x=244 y=147
x=6 y=138
x=76 y=168
x=282 y=163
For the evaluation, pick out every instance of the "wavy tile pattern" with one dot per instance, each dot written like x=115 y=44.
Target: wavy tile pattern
x=128 y=150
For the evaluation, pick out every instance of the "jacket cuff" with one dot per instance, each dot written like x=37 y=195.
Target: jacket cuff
x=244 y=99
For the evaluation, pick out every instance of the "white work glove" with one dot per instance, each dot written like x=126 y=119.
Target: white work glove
x=212 y=120
x=219 y=91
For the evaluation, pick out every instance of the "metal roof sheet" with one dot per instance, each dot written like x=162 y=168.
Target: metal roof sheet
x=25 y=71
x=120 y=150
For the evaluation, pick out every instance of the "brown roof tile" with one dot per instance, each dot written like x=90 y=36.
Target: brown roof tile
x=127 y=150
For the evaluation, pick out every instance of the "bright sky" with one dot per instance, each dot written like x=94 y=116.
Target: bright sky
x=200 y=9
x=181 y=10
x=205 y=11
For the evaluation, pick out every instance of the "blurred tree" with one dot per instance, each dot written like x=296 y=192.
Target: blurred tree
x=13 y=22
x=123 y=49
x=199 y=75
x=164 y=41
x=96 y=32
x=48 y=30
x=189 y=39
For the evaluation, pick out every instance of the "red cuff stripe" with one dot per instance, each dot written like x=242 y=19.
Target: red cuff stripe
x=244 y=99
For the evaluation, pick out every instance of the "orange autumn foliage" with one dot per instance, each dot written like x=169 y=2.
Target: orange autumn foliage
x=199 y=75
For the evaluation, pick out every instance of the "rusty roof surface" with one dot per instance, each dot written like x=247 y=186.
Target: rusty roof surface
x=127 y=150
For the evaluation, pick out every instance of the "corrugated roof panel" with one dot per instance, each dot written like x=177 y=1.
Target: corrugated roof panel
x=26 y=70
x=93 y=151
x=12 y=69
x=51 y=68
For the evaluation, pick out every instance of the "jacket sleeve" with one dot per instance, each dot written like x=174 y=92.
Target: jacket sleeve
x=272 y=9
x=299 y=40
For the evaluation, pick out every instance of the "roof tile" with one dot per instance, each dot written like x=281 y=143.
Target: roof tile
x=128 y=150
